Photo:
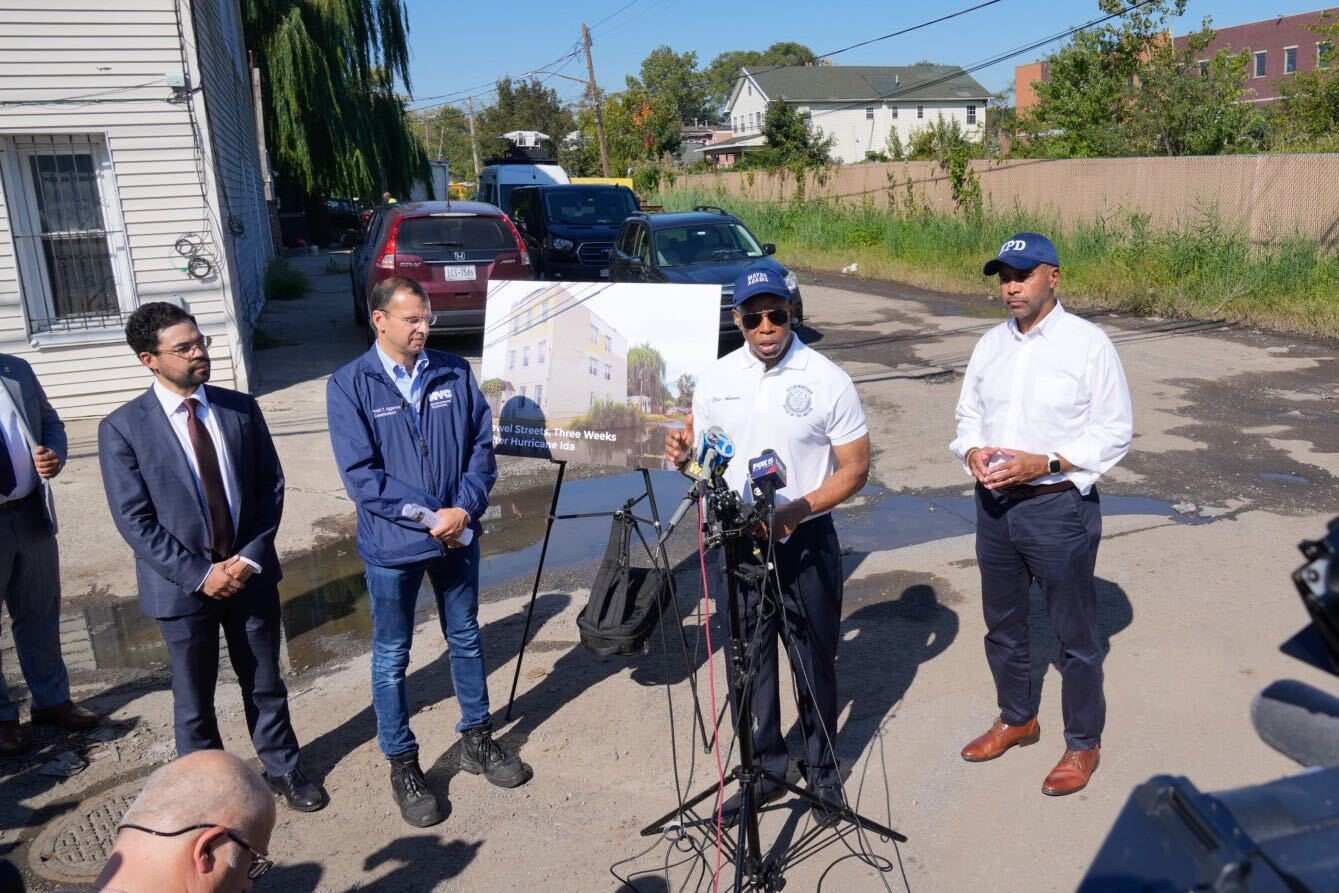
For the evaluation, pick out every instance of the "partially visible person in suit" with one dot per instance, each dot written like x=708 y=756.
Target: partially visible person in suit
x=202 y=822
x=196 y=489
x=32 y=452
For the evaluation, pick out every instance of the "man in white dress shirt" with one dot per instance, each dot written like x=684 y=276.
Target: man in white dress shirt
x=32 y=453
x=1044 y=411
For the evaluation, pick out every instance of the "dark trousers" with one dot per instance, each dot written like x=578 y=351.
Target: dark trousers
x=1052 y=539
x=30 y=589
x=810 y=571
x=250 y=623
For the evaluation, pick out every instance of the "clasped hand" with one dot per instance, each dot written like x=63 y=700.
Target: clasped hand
x=227 y=578
x=451 y=525
x=1017 y=468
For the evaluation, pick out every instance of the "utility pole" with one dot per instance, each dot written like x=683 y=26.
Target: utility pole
x=595 y=98
x=474 y=142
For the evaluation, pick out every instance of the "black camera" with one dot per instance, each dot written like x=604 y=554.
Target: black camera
x=1279 y=836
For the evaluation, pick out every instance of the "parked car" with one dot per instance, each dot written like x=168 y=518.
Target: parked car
x=570 y=229
x=705 y=246
x=453 y=249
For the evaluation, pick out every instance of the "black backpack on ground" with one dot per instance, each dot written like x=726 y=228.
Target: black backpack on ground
x=625 y=601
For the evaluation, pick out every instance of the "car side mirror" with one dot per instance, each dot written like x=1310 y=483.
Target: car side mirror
x=769 y=248
x=634 y=260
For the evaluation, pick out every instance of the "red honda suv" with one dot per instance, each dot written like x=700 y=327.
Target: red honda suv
x=452 y=249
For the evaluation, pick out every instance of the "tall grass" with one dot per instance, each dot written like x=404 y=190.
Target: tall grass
x=1205 y=268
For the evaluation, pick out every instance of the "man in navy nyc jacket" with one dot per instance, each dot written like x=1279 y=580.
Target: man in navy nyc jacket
x=410 y=426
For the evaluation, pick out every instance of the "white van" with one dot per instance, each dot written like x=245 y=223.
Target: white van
x=498 y=179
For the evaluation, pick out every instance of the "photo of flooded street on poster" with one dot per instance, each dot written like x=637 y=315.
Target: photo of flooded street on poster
x=594 y=372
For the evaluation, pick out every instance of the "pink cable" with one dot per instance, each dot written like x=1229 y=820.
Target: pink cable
x=711 y=678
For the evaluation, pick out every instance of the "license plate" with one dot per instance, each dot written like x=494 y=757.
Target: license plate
x=460 y=273
x=605 y=272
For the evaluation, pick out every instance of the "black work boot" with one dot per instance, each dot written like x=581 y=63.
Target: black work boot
x=481 y=755
x=416 y=800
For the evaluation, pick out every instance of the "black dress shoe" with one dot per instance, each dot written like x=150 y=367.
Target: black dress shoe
x=14 y=738
x=766 y=794
x=301 y=794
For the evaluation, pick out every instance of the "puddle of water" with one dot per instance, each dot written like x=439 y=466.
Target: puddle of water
x=1286 y=476
x=323 y=595
x=324 y=601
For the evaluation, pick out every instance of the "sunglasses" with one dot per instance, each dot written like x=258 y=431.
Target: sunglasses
x=777 y=317
x=260 y=862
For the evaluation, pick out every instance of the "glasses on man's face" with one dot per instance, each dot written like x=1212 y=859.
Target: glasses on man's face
x=777 y=317
x=415 y=321
x=187 y=350
x=260 y=862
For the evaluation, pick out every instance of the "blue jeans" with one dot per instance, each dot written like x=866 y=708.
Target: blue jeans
x=393 y=592
x=30 y=589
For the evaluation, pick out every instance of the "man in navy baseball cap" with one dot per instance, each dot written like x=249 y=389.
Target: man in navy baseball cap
x=1024 y=252
x=759 y=281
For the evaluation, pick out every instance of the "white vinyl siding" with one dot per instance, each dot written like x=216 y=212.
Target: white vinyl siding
x=855 y=133
x=61 y=49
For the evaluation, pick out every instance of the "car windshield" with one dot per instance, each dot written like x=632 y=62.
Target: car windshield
x=576 y=206
x=429 y=236
x=704 y=243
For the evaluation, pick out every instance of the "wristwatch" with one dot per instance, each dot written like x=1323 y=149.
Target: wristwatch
x=1053 y=463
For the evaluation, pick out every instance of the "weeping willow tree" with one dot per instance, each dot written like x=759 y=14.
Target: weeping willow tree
x=334 y=121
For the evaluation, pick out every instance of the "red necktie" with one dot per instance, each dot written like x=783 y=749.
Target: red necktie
x=211 y=480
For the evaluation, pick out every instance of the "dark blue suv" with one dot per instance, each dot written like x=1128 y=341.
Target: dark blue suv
x=704 y=246
x=570 y=228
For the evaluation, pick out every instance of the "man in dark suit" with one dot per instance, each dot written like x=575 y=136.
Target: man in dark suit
x=196 y=489
x=32 y=452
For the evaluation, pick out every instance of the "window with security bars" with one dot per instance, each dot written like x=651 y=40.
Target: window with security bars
x=72 y=258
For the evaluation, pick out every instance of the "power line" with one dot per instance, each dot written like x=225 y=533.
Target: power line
x=614 y=13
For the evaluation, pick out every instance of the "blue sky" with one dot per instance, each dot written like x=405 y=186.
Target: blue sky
x=458 y=46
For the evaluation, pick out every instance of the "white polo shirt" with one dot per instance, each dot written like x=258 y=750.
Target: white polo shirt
x=802 y=407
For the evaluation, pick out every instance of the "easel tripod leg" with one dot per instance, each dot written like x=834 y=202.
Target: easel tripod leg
x=534 y=592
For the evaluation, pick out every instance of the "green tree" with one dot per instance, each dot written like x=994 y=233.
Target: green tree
x=1128 y=89
x=1180 y=108
x=675 y=77
x=947 y=145
x=721 y=74
x=1307 y=116
x=895 y=150
x=522 y=105
x=791 y=140
x=445 y=133
x=336 y=126
x=639 y=127
x=687 y=385
x=646 y=376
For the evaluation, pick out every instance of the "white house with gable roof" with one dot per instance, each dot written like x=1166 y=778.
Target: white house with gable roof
x=857 y=105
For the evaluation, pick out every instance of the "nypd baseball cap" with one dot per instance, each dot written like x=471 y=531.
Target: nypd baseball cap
x=1023 y=252
x=759 y=281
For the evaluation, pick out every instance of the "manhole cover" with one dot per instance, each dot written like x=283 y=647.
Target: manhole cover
x=74 y=848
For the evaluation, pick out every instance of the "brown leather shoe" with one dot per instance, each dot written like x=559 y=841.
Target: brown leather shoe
x=14 y=738
x=69 y=716
x=1072 y=772
x=1000 y=738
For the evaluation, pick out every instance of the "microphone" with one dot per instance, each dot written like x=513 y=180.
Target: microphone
x=767 y=472
x=714 y=455
x=1298 y=721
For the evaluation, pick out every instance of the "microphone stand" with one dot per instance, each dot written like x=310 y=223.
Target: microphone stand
x=730 y=524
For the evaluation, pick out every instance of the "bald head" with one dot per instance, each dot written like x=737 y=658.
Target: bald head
x=207 y=787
